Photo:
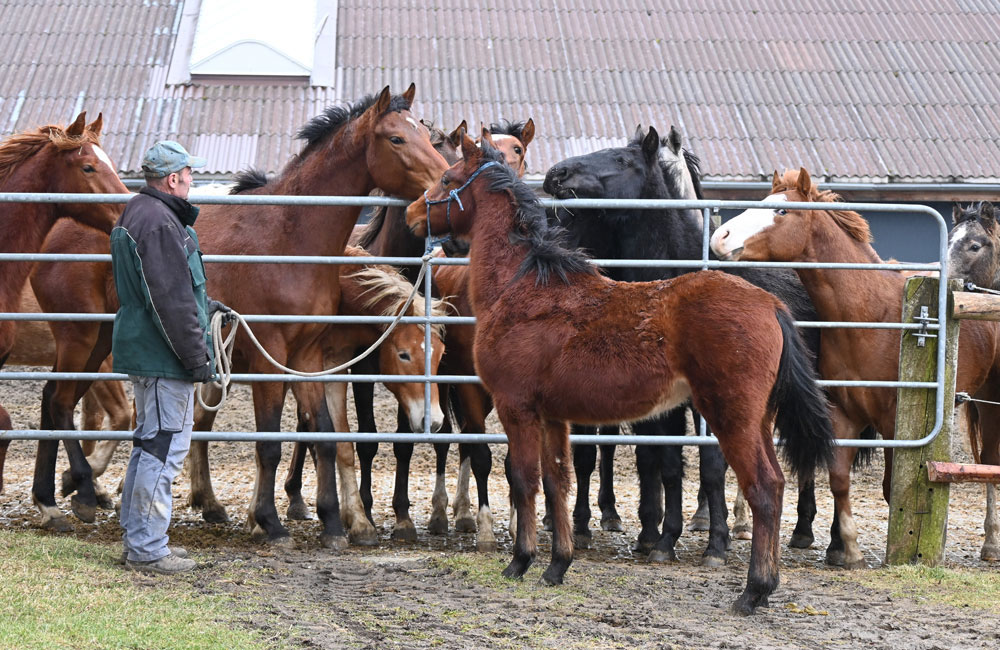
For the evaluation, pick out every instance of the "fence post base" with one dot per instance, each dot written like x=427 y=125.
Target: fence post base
x=918 y=509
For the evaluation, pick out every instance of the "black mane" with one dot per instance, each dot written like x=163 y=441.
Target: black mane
x=371 y=229
x=249 y=179
x=547 y=255
x=506 y=127
x=335 y=117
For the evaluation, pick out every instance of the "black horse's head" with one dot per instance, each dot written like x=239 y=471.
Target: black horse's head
x=615 y=173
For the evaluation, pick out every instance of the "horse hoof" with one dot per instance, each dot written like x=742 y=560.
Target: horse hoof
x=68 y=484
x=640 y=547
x=58 y=525
x=282 y=541
x=105 y=502
x=698 y=523
x=661 y=557
x=713 y=561
x=547 y=524
x=404 y=533
x=800 y=541
x=465 y=525
x=298 y=511
x=990 y=554
x=85 y=512
x=215 y=515
x=742 y=532
x=612 y=524
x=438 y=525
x=364 y=537
x=485 y=546
x=856 y=564
x=333 y=542
x=835 y=558
x=582 y=540
x=551 y=578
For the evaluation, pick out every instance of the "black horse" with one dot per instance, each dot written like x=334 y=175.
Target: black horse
x=651 y=168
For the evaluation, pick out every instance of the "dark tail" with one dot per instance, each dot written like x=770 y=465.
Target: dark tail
x=803 y=415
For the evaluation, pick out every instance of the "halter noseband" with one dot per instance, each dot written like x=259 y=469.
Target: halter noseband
x=452 y=196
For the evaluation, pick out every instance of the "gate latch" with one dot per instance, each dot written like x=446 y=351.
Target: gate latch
x=922 y=334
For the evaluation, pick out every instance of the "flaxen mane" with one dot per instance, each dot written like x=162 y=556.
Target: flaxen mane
x=851 y=222
x=21 y=146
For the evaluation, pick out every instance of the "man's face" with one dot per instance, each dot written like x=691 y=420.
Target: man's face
x=179 y=183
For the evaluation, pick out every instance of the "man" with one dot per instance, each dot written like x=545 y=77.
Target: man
x=161 y=341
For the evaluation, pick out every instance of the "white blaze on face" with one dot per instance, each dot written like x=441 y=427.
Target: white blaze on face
x=103 y=157
x=958 y=234
x=414 y=123
x=733 y=234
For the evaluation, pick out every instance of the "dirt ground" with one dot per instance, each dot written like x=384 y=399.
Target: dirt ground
x=439 y=592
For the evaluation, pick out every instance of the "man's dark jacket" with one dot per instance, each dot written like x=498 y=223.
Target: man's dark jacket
x=161 y=328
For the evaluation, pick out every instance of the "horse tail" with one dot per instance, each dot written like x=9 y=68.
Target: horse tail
x=865 y=455
x=975 y=432
x=802 y=412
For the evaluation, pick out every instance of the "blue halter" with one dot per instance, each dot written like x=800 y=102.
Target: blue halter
x=452 y=196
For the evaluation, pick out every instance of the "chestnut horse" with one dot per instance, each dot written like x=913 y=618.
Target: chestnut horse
x=374 y=143
x=974 y=255
x=854 y=354
x=556 y=342
x=51 y=159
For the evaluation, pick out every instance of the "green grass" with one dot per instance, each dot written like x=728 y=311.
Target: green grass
x=59 y=592
x=973 y=588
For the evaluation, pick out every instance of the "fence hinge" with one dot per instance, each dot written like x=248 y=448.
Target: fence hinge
x=922 y=334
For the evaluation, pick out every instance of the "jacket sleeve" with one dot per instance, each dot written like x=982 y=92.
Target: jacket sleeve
x=164 y=266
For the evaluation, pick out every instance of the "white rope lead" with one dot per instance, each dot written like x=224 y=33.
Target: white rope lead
x=223 y=348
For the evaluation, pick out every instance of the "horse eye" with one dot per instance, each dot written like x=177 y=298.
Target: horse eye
x=517 y=150
x=782 y=212
x=404 y=356
x=89 y=169
x=396 y=140
x=975 y=248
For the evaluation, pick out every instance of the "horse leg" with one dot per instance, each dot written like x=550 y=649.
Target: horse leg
x=671 y=473
x=701 y=519
x=297 y=508
x=262 y=519
x=802 y=536
x=43 y=484
x=462 y=506
x=5 y=425
x=99 y=459
x=659 y=467
x=990 y=456
x=843 y=550
x=202 y=496
x=524 y=433
x=648 y=460
x=403 y=530
x=610 y=520
x=742 y=526
x=360 y=531
x=712 y=468
x=311 y=400
x=364 y=400
x=584 y=462
x=555 y=473
x=438 y=524
x=481 y=459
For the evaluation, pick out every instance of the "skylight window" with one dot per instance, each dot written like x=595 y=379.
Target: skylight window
x=257 y=38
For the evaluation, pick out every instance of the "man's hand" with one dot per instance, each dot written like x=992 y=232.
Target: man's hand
x=203 y=374
x=227 y=314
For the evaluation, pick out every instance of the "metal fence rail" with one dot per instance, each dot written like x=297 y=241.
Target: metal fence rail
x=704 y=206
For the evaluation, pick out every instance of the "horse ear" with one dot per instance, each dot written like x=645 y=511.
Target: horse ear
x=775 y=182
x=455 y=137
x=639 y=133
x=804 y=184
x=988 y=216
x=528 y=132
x=674 y=140
x=382 y=103
x=469 y=149
x=96 y=126
x=487 y=137
x=75 y=129
x=651 y=144
x=410 y=93
x=957 y=214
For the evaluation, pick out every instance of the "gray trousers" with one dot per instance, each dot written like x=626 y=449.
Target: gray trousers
x=164 y=418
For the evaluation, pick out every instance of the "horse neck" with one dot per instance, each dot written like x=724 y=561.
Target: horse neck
x=493 y=261
x=394 y=239
x=23 y=227
x=848 y=294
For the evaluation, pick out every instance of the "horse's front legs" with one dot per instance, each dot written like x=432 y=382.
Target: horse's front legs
x=202 y=495
x=843 y=550
x=524 y=433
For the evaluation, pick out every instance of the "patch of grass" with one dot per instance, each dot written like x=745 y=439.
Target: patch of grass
x=485 y=571
x=59 y=592
x=972 y=588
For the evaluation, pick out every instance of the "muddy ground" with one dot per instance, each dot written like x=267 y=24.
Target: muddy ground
x=439 y=592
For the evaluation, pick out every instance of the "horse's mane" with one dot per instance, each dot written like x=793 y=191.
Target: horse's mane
x=249 y=179
x=21 y=146
x=851 y=222
x=547 y=254
x=335 y=117
x=506 y=127
x=381 y=282
x=371 y=229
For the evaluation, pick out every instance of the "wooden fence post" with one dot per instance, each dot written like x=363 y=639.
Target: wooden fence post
x=918 y=509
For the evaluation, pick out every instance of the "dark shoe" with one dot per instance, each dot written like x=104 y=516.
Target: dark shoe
x=168 y=565
x=176 y=550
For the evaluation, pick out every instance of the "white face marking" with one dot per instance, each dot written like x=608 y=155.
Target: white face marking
x=959 y=233
x=103 y=157
x=733 y=234
x=501 y=136
x=416 y=124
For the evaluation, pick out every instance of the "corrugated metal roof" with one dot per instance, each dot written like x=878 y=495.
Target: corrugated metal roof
x=897 y=90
